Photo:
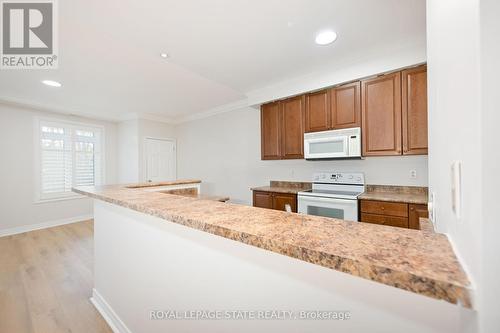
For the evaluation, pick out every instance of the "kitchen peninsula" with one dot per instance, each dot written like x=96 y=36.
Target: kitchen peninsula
x=152 y=247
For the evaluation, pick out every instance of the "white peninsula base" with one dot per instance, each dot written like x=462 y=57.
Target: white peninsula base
x=144 y=263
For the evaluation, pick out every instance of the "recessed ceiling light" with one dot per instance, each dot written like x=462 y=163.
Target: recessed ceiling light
x=326 y=37
x=51 y=83
x=164 y=55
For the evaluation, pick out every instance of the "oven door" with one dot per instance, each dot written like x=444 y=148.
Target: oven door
x=344 y=209
x=329 y=147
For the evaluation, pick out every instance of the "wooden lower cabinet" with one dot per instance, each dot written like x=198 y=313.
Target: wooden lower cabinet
x=263 y=199
x=396 y=214
x=280 y=200
x=384 y=208
x=415 y=213
x=274 y=200
x=393 y=221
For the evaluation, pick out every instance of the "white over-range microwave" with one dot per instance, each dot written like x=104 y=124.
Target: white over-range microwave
x=342 y=143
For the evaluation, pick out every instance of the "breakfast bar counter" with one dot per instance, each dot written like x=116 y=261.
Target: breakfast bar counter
x=422 y=263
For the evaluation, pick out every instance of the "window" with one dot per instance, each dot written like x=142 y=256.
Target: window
x=69 y=155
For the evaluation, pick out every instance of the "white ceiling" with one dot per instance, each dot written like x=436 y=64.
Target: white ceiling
x=109 y=61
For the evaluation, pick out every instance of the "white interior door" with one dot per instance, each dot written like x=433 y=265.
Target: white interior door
x=160 y=160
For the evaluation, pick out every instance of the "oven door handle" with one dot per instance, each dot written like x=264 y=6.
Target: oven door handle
x=311 y=198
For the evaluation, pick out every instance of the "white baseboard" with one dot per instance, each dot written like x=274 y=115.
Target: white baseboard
x=44 y=225
x=114 y=322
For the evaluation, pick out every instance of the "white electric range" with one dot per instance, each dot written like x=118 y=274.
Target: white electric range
x=333 y=194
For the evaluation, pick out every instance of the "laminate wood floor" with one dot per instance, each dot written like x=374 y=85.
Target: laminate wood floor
x=46 y=279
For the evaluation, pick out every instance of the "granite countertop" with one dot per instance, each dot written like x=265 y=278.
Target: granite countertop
x=206 y=197
x=284 y=187
x=405 y=194
x=419 y=262
x=168 y=183
x=426 y=225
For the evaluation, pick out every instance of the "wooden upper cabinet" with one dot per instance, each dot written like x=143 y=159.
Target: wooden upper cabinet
x=292 y=130
x=381 y=115
x=345 y=106
x=317 y=111
x=335 y=108
x=270 y=122
x=391 y=110
x=414 y=110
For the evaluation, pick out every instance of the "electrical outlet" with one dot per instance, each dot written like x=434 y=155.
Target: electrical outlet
x=413 y=174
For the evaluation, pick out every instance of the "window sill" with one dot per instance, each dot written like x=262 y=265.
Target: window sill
x=74 y=196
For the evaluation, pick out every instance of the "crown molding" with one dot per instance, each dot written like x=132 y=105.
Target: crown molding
x=147 y=116
x=214 y=111
x=156 y=117
x=18 y=103
x=128 y=116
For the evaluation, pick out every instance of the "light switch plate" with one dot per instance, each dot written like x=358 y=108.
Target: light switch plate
x=431 y=207
x=456 y=188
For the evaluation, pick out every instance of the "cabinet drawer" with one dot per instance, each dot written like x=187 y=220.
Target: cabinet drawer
x=384 y=208
x=393 y=221
x=274 y=200
x=262 y=199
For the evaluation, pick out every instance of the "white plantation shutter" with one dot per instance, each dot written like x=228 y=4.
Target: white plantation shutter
x=70 y=155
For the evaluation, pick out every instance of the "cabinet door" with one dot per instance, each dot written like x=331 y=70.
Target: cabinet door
x=282 y=199
x=270 y=131
x=317 y=111
x=415 y=213
x=345 y=107
x=414 y=109
x=262 y=199
x=292 y=130
x=381 y=115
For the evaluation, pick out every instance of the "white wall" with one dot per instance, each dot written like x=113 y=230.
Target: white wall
x=490 y=71
x=359 y=66
x=128 y=152
x=236 y=276
x=463 y=70
x=224 y=152
x=148 y=128
x=455 y=121
x=131 y=146
x=17 y=171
